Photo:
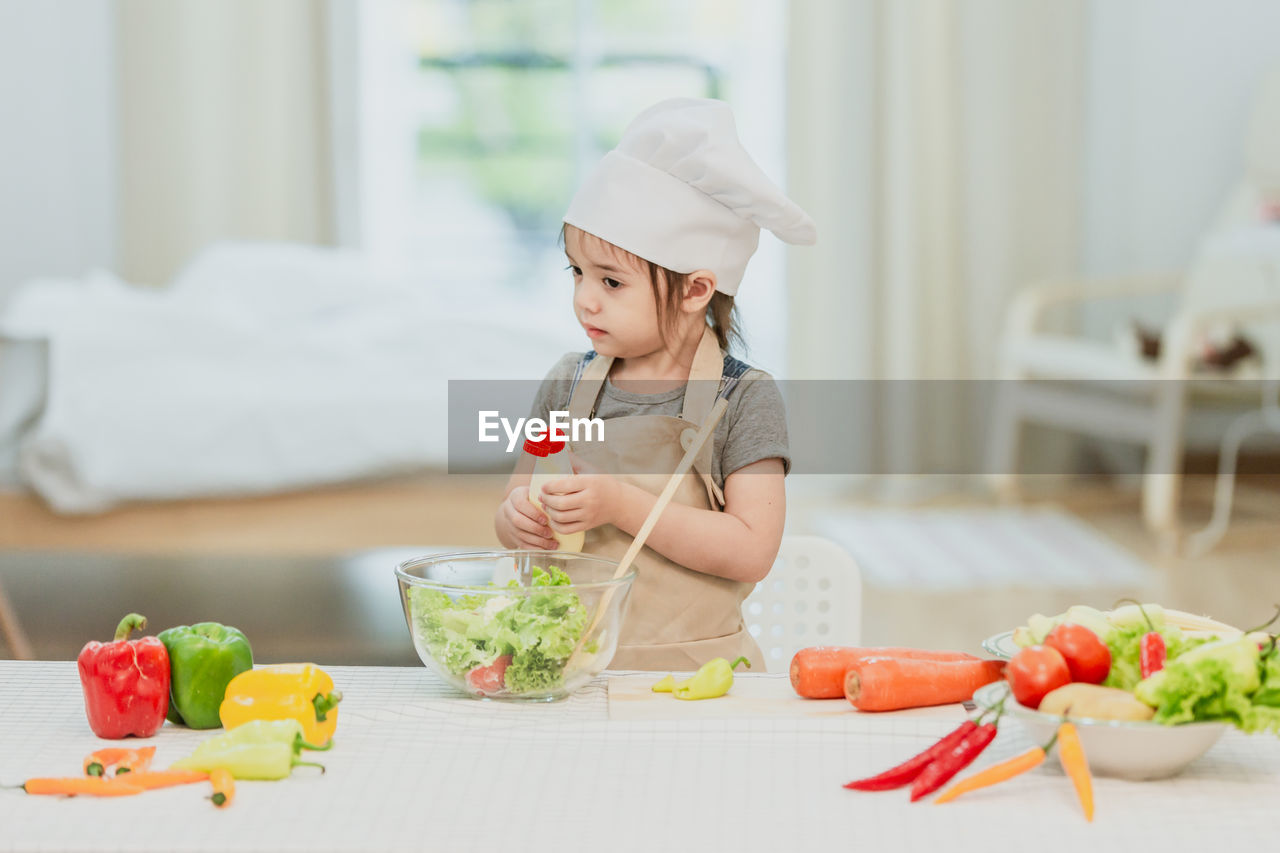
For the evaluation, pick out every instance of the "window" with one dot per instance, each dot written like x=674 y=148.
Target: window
x=478 y=118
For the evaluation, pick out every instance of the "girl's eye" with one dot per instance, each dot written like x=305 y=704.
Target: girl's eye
x=575 y=270
x=612 y=284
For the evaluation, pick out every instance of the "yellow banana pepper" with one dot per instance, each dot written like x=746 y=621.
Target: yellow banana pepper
x=666 y=685
x=712 y=680
x=288 y=691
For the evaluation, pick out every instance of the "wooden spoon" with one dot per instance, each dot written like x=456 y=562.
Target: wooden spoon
x=704 y=432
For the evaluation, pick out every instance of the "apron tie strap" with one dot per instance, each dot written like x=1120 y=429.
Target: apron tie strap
x=699 y=397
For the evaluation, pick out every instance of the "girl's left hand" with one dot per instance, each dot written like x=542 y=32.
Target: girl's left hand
x=581 y=501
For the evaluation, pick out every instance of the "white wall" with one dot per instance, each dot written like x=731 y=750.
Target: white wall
x=1168 y=97
x=57 y=145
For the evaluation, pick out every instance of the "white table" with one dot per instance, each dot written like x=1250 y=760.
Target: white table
x=416 y=767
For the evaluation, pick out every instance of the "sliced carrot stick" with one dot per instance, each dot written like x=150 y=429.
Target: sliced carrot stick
x=150 y=779
x=818 y=671
x=889 y=684
x=123 y=760
x=95 y=786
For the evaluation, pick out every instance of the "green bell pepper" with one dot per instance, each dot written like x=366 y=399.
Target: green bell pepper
x=261 y=749
x=203 y=658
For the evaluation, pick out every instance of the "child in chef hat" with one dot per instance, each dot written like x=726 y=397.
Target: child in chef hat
x=657 y=240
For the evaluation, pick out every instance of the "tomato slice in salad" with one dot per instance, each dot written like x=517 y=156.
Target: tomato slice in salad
x=490 y=679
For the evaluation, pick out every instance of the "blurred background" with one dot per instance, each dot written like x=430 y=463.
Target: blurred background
x=247 y=245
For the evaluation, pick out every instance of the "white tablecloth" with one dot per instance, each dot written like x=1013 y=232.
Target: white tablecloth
x=417 y=767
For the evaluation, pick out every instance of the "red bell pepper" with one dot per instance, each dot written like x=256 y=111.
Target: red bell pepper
x=125 y=682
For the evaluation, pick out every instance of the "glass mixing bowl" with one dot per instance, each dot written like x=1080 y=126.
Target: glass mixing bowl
x=505 y=624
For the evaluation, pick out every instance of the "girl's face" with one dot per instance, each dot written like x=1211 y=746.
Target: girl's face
x=612 y=297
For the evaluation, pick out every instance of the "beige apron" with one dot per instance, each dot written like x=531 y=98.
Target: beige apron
x=677 y=619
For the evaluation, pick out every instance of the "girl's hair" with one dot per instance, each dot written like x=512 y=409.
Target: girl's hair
x=721 y=315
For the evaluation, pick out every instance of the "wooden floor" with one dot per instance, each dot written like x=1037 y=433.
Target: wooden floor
x=430 y=510
x=1238 y=581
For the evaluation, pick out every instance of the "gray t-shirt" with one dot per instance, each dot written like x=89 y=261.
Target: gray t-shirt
x=754 y=427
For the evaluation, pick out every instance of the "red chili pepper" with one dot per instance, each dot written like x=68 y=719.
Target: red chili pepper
x=1151 y=653
x=944 y=767
x=125 y=682
x=896 y=777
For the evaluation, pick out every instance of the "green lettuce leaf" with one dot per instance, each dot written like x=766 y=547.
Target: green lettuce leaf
x=1262 y=718
x=1269 y=691
x=1208 y=690
x=1213 y=682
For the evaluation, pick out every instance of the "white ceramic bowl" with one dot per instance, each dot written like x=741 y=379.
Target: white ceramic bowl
x=1126 y=750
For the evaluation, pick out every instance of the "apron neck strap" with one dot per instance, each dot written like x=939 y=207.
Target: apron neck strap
x=704 y=378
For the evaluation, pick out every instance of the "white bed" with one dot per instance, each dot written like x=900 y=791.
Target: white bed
x=261 y=367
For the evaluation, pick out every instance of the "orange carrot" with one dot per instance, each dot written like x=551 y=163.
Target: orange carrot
x=96 y=786
x=818 y=671
x=995 y=774
x=889 y=684
x=1071 y=754
x=151 y=779
x=224 y=787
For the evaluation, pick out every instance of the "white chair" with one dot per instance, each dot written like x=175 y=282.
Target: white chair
x=1232 y=282
x=1266 y=419
x=812 y=597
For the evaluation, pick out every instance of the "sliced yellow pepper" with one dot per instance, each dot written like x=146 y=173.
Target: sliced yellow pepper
x=288 y=691
x=712 y=680
x=666 y=685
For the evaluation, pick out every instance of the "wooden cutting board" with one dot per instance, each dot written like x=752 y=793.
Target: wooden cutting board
x=761 y=696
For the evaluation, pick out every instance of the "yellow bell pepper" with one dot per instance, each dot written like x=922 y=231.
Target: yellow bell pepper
x=287 y=691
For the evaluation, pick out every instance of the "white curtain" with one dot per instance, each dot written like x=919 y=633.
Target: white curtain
x=938 y=145
x=224 y=127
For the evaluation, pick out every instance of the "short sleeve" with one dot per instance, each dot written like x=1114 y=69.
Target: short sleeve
x=553 y=393
x=757 y=424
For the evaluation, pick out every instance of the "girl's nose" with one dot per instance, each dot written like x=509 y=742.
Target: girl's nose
x=584 y=301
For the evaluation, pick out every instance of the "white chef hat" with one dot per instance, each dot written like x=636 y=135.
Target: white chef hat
x=680 y=191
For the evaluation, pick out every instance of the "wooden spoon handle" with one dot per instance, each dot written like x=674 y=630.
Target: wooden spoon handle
x=664 y=498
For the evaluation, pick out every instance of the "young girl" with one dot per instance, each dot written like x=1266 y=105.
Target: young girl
x=657 y=240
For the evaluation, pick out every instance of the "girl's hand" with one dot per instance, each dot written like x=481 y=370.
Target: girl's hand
x=521 y=524
x=582 y=501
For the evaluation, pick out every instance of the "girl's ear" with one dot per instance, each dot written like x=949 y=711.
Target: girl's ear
x=700 y=286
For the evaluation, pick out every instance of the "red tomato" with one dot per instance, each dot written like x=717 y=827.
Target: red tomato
x=489 y=679
x=1036 y=671
x=1088 y=658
